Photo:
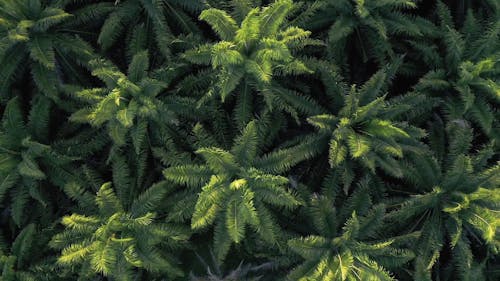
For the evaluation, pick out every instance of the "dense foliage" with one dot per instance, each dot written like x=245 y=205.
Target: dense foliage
x=311 y=140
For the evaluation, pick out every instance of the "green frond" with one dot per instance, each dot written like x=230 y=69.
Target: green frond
x=222 y=240
x=50 y=17
x=249 y=31
x=137 y=70
x=281 y=160
x=150 y=199
x=103 y=258
x=138 y=40
x=41 y=50
x=455 y=45
x=74 y=253
x=13 y=120
x=200 y=54
x=107 y=201
x=273 y=16
x=79 y=194
x=79 y=223
x=29 y=168
x=218 y=159
x=243 y=112
x=7 y=183
x=309 y=247
x=235 y=219
x=323 y=122
x=358 y=145
x=39 y=118
x=206 y=209
x=20 y=198
x=221 y=22
x=115 y=23
x=90 y=13
x=45 y=79
x=23 y=243
x=246 y=147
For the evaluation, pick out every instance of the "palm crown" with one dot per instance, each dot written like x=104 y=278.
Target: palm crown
x=238 y=186
x=128 y=102
x=461 y=202
x=362 y=130
x=251 y=55
x=349 y=252
x=34 y=30
x=465 y=74
x=27 y=157
x=113 y=241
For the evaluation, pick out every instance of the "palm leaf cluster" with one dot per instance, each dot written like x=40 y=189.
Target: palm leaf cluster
x=311 y=140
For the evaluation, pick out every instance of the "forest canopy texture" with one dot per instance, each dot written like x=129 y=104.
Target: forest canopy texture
x=225 y=140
